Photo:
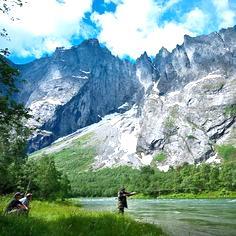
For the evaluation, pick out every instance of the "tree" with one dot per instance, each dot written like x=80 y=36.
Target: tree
x=13 y=116
x=50 y=182
x=214 y=178
x=5 y=8
x=228 y=176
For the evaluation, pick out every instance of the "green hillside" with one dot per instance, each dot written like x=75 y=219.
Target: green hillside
x=76 y=157
x=72 y=159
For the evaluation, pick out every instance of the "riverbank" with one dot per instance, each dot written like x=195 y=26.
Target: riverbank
x=203 y=195
x=63 y=218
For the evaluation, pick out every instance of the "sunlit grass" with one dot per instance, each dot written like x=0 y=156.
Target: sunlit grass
x=59 y=219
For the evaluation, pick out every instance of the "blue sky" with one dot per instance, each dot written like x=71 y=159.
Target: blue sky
x=126 y=27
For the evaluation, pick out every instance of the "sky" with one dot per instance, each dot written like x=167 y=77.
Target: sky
x=126 y=27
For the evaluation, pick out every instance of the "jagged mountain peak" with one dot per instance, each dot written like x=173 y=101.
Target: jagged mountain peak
x=74 y=88
x=163 y=52
x=161 y=55
x=197 y=56
x=91 y=42
x=169 y=95
x=144 y=56
x=89 y=50
x=144 y=59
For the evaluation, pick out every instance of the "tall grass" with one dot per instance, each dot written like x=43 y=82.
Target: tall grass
x=64 y=219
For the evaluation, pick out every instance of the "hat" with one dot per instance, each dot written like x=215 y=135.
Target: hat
x=29 y=194
x=18 y=194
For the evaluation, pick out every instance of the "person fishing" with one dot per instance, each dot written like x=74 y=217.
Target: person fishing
x=15 y=206
x=122 y=199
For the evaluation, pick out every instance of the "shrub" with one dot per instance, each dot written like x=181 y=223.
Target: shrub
x=230 y=110
x=160 y=157
x=227 y=152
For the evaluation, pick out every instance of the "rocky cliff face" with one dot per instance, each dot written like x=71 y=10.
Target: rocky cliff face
x=185 y=125
x=195 y=58
x=192 y=105
x=75 y=88
x=182 y=102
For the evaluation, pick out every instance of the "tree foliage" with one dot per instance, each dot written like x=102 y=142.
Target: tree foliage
x=43 y=179
x=16 y=173
x=13 y=116
x=153 y=182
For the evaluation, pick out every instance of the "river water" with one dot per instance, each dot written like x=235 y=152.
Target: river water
x=177 y=217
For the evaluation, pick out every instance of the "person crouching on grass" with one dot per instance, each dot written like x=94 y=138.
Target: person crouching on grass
x=26 y=201
x=15 y=206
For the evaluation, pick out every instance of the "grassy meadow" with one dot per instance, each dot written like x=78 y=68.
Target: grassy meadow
x=58 y=218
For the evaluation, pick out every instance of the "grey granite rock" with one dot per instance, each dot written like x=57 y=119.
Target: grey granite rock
x=174 y=105
x=75 y=87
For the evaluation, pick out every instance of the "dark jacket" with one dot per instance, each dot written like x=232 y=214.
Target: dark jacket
x=14 y=204
x=122 y=199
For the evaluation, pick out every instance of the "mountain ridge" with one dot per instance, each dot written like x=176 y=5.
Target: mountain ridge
x=77 y=87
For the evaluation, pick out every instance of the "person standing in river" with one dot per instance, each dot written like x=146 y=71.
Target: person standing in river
x=122 y=199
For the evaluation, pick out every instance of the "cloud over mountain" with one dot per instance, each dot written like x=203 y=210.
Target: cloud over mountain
x=126 y=27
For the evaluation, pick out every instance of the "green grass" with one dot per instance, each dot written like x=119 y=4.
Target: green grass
x=66 y=219
x=77 y=157
x=227 y=152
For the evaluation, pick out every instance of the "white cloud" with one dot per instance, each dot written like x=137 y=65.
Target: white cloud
x=225 y=14
x=196 y=20
x=169 y=4
x=134 y=28
x=114 y=1
x=43 y=25
x=167 y=36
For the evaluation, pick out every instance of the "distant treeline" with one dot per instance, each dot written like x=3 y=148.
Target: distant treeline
x=152 y=182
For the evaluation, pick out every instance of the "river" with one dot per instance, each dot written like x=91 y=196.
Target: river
x=199 y=217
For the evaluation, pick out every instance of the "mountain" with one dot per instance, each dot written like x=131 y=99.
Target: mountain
x=74 y=88
x=165 y=111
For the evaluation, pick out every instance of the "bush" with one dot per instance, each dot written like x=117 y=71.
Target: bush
x=160 y=157
x=227 y=152
x=43 y=179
